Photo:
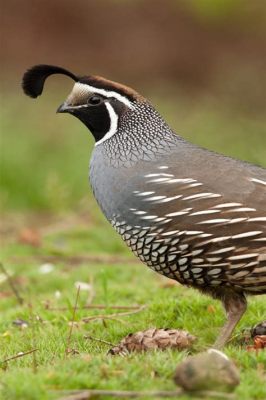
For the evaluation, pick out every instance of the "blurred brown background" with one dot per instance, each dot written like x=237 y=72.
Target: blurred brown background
x=189 y=42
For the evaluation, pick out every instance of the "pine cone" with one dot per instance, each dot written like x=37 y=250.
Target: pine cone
x=153 y=338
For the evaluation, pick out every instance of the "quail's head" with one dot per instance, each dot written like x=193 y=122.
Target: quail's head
x=96 y=101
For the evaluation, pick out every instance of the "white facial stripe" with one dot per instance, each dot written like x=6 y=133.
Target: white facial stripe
x=91 y=89
x=113 y=124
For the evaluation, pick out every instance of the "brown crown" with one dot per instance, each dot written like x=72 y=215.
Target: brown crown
x=102 y=83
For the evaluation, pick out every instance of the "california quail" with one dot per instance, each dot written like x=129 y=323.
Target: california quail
x=188 y=213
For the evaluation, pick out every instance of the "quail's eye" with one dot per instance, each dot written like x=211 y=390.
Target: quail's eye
x=94 y=100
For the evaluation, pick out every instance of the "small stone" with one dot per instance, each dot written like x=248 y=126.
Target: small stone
x=21 y=323
x=211 y=370
x=46 y=268
x=57 y=294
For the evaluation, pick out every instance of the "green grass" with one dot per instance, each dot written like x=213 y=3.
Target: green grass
x=123 y=281
x=44 y=173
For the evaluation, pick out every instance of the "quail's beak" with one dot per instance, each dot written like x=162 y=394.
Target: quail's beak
x=64 y=108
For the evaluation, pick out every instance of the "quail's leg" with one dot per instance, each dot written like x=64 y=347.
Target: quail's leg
x=235 y=306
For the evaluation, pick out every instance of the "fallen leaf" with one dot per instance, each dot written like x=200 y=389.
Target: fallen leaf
x=259 y=343
x=211 y=309
x=4 y=295
x=153 y=338
x=30 y=237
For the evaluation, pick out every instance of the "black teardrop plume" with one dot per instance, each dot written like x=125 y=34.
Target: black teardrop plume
x=34 y=78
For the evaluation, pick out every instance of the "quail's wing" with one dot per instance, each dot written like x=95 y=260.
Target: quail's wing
x=207 y=215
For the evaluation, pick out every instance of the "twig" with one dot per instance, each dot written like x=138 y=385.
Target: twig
x=104 y=318
x=87 y=394
x=19 y=355
x=11 y=284
x=98 y=340
x=72 y=323
x=110 y=316
x=94 y=307
x=112 y=319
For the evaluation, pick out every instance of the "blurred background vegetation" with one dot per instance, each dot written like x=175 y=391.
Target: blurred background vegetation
x=201 y=62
